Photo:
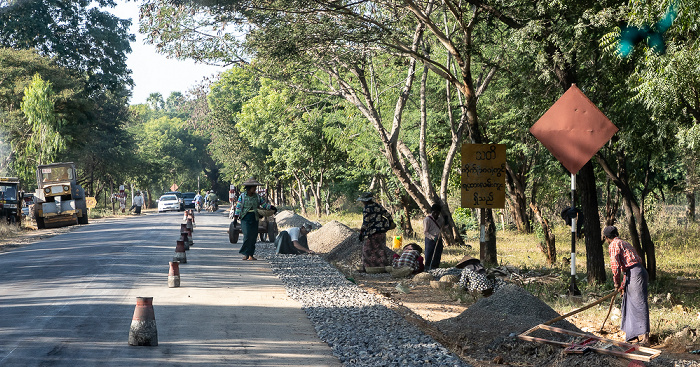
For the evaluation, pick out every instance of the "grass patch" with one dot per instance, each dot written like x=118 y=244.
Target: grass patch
x=674 y=297
x=9 y=231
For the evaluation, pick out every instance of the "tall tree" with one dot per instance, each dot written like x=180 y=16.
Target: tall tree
x=78 y=34
x=306 y=40
x=45 y=140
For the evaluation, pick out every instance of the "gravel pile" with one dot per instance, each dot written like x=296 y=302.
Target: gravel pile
x=440 y=272
x=360 y=330
x=337 y=242
x=288 y=219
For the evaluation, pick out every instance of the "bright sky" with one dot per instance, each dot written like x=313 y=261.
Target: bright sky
x=153 y=72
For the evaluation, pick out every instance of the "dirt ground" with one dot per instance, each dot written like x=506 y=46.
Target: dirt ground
x=439 y=314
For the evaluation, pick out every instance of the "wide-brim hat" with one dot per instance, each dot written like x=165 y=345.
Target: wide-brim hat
x=251 y=182
x=366 y=196
x=466 y=260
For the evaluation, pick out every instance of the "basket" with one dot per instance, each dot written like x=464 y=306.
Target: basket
x=265 y=212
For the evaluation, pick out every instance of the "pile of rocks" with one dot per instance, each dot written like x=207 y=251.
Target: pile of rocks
x=358 y=327
x=288 y=219
x=337 y=242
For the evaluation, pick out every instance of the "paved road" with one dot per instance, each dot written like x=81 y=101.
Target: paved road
x=68 y=300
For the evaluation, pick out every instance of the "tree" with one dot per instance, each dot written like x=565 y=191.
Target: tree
x=306 y=41
x=155 y=101
x=77 y=34
x=45 y=140
x=70 y=108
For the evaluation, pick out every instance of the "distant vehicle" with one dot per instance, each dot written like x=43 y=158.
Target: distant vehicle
x=188 y=198
x=10 y=200
x=59 y=200
x=168 y=202
x=179 y=198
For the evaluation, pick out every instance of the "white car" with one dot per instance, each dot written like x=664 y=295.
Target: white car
x=168 y=202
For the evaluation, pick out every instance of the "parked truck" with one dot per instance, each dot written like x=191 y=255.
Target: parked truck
x=59 y=200
x=10 y=200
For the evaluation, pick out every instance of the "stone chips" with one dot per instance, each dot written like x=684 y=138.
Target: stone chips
x=336 y=242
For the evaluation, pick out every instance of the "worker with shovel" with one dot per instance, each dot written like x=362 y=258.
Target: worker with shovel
x=634 y=286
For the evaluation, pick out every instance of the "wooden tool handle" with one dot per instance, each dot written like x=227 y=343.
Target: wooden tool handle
x=580 y=309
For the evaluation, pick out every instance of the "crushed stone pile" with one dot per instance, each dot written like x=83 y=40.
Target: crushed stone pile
x=336 y=242
x=288 y=219
x=493 y=323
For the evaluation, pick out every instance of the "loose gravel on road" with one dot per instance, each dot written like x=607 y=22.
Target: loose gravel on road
x=358 y=327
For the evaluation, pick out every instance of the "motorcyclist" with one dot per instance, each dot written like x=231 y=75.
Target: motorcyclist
x=198 y=199
x=211 y=200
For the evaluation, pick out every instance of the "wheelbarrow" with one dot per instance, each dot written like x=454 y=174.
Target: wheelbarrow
x=267 y=227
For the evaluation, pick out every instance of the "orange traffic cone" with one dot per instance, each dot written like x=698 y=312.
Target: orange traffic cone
x=180 y=254
x=174 y=274
x=143 y=331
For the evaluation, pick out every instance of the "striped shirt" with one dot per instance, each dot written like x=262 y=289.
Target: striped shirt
x=622 y=257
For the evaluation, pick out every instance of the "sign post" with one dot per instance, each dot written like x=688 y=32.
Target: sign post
x=573 y=130
x=483 y=182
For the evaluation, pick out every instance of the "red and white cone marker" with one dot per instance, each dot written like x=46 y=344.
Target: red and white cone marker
x=180 y=254
x=189 y=225
x=143 y=331
x=185 y=237
x=174 y=274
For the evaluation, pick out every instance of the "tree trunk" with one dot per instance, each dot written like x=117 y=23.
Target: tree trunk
x=487 y=241
x=641 y=237
x=406 y=226
x=595 y=254
x=611 y=205
x=516 y=185
x=300 y=192
x=549 y=248
x=690 y=207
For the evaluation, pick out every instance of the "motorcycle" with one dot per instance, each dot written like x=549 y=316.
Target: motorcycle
x=198 y=206
x=212 y=206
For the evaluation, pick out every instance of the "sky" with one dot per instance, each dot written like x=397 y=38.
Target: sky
x=153 y=72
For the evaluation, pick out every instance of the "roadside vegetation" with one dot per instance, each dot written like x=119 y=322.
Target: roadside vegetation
x=674 y=297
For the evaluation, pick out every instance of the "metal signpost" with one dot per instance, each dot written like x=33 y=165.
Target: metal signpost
x=573 y=130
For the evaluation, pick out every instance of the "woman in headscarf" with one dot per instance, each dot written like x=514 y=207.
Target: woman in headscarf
x=247 y=210
x=376 y=221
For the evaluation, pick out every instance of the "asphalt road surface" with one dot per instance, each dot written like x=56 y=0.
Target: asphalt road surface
x=68 y=300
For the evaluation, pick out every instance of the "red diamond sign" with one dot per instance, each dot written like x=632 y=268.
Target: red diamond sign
x=573 y=129
x=174 y=187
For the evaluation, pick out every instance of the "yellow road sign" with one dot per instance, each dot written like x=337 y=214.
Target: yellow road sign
x=483 y=175
x=91 y=202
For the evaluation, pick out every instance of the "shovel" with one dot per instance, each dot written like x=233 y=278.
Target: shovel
x=612 y=301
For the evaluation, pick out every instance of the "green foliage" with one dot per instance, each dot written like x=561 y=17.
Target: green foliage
x=465 y=220
x=77 y=34
x=45 y=140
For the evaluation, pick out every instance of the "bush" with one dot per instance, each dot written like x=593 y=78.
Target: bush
x=464 y=219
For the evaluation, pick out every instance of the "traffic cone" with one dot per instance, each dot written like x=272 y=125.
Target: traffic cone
x=180 y=254
x=190 y=240
x=189 y=225
x=143 y=331
x=185 y=237
x=174 y=274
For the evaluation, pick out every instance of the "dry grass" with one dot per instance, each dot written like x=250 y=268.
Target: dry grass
x=7 y=231
x=674 y=297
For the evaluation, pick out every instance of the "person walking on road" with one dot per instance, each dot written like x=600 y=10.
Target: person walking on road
x=376 y=221
x=247 y=210
x=137 y=203
x=634 y=286
x=432 y=224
